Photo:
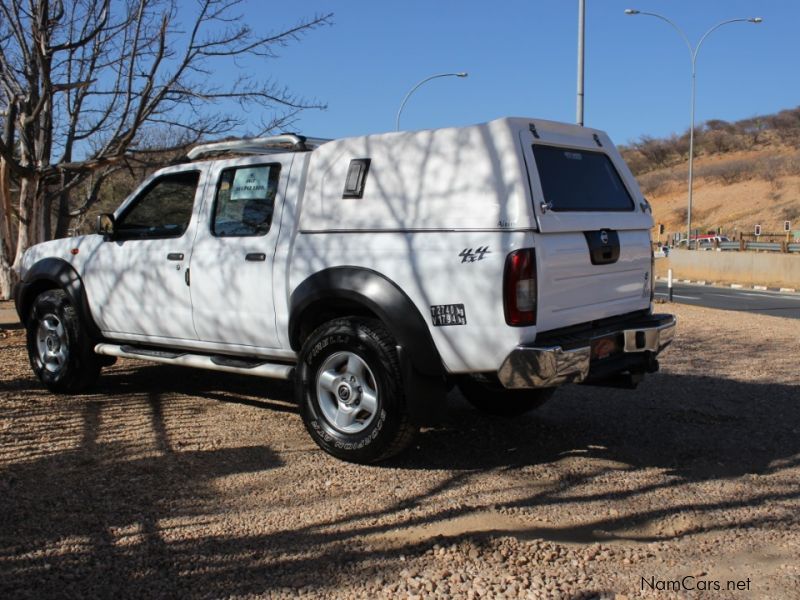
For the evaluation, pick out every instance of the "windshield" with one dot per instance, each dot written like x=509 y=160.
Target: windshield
x=580 y=180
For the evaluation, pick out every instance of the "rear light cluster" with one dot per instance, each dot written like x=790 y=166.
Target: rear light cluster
x=519 y=288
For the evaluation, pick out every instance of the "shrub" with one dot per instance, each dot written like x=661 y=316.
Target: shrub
x=720 y=125
x=728 y=172
x=656 y=152
x=791 y=213
x=657 y=181
x=719 y=142
x=636 y=162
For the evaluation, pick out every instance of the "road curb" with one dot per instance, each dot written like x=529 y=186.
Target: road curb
x=735 y=286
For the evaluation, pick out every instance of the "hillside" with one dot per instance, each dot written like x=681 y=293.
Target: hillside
x=746 y=172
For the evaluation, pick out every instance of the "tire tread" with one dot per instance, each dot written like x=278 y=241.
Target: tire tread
x=405 y=430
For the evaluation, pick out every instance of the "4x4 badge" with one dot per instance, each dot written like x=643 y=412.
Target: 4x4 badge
x=467 y=255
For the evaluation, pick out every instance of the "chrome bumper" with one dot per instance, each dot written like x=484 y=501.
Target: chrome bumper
x=549 y=366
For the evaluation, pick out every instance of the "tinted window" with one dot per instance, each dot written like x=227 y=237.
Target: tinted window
x=245 y=201
x=164 y=209
x=580 y=180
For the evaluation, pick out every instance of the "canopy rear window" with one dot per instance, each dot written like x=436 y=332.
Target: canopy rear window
x=580 y=180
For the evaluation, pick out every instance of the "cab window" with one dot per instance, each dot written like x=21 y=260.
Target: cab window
x=245 y=201
x=162 y=210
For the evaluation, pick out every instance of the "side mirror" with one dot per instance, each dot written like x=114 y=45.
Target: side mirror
x=105 y=224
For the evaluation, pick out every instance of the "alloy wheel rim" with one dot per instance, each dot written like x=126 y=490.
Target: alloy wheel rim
x=52 y=344
x=347 y=392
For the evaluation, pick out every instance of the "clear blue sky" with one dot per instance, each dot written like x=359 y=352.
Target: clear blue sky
x=521 y=57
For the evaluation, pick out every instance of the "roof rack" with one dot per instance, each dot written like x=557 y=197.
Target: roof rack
x=286 y=142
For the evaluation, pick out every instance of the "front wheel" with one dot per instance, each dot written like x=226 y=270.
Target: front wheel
x=60 y=352
x=488 y=395
x=350 y=391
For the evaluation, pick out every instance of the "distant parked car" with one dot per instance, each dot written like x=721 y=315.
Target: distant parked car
x=706 y=242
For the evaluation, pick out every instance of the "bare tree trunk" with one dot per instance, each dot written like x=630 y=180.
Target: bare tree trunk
x=7 y=274
x=63 y=219
x=6 y=239
x=46 y=217
x=8 y=278
x=28 y=217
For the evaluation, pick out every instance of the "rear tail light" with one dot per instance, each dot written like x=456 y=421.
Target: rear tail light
x=519 y=288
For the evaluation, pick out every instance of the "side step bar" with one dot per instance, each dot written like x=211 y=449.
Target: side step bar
x=199 y=361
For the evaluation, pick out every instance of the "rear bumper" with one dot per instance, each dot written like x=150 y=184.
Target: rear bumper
x=639 y=341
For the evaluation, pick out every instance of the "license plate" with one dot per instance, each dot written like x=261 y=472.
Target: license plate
x=444 y=315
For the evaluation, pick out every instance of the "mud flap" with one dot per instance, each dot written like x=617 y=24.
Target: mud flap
x=424 y=394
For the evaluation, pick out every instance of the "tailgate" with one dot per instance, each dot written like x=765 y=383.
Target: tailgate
x=573 y=290
x=593 y=248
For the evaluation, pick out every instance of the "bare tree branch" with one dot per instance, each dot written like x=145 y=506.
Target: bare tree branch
x=88 y=82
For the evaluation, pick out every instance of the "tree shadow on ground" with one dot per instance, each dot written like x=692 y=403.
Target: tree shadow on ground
x=118 y=508
x=675 y=422
x=117 y=505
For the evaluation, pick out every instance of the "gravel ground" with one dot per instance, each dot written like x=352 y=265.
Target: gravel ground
x=179 y=483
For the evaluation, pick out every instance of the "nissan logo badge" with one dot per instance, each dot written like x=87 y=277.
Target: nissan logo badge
x=604 y=237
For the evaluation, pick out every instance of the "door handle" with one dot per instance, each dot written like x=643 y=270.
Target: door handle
x=256 y=257
x=175 y=256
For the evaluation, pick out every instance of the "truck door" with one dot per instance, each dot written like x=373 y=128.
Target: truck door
x=593 y=251
x=135 y=279
x=231 y=269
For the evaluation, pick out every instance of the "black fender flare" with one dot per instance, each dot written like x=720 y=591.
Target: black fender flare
x=377 y=294
x=52 y=273
x=421 y=364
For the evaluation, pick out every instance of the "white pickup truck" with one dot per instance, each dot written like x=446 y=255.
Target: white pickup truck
x=508 y=258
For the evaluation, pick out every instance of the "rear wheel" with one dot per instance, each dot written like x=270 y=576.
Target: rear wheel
x=350 y=391
x=487 y=394
x=60 y=352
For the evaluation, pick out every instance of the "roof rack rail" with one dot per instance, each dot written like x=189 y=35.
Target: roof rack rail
x=285 y=142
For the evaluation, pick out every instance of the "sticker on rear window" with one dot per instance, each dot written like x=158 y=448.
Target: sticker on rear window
x=444 y=315
x=573 y=155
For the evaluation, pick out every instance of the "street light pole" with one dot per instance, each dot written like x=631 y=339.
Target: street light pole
x=581 y=38
x=414 y=89
x=693 y=57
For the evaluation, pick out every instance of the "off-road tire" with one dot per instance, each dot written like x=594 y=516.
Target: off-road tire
x=390 y=430
x=489 y=396
x=53 y=320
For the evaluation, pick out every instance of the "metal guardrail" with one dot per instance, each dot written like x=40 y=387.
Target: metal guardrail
x=757 y=246
x=772 y=246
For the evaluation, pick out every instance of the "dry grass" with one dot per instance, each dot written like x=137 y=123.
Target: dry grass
x=746 y=172
x=733 y=191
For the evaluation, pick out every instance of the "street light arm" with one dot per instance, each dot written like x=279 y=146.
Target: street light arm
x=414 y=89
x=675 y=27
x=710 y=31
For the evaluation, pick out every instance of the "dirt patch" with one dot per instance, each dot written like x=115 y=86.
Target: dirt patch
x=171 y=482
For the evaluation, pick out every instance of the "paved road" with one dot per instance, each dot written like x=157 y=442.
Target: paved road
x=769 y=303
